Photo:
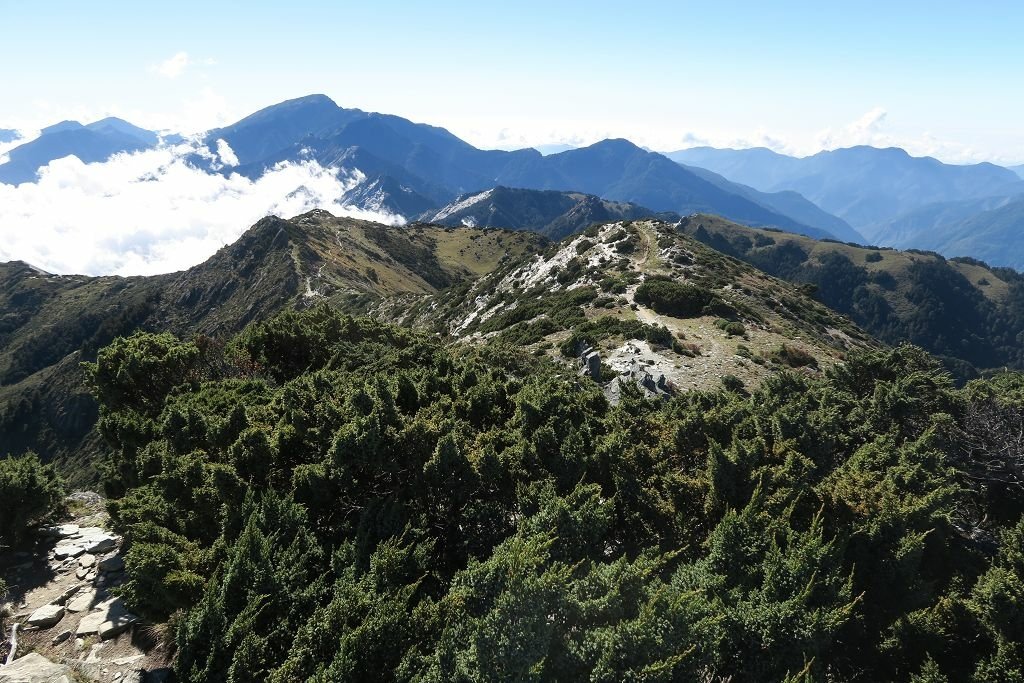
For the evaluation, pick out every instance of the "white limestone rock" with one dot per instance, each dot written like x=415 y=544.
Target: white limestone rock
x=46 y=616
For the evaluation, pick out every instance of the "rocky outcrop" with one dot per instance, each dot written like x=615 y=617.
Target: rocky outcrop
x=35 y=668
x=85 y=541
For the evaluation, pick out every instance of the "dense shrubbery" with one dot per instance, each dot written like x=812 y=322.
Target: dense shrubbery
x=677 y=299
x=331 y=499
x=599 y=329
x=731 y=327
x=30 y=493
x=793 y=356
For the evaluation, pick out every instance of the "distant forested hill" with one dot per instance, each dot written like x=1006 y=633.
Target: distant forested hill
x=959 y=309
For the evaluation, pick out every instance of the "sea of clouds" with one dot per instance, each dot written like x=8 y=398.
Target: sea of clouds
x=153 y=212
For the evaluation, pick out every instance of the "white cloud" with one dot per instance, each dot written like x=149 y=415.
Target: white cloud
x=226 y=154
x=867 y=130
x=23 y=137
x=151 y=212
x=175 y=66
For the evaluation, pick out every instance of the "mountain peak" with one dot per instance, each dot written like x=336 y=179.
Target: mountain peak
x=615 y=144
x=316 y=98
x=61 y=127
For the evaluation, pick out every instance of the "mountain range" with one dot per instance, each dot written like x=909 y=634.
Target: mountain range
x=410 y=165
x=411 y=168
x=417 y=171
x=863 y=185
x=890 y=197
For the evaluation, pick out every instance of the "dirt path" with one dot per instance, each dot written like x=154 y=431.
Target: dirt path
x=62 y=597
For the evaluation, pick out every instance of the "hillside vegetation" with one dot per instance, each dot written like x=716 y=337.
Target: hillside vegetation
x=49 y=324
x=969 y=314
x=592 y=290
x=325 y=497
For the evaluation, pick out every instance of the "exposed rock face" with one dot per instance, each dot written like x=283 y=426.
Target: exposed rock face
x=86 y=541
x=112 y=564
x=34 y=668
x=592 y=364
x=100 y=543
x=64 y=551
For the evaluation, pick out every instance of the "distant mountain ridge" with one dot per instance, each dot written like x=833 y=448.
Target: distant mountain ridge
x=97 y=141
x=866 y=186
x=551 y=213
x=961 y=310
x=992 y=234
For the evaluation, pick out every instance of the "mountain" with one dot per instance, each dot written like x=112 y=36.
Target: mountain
x=1019 y=170
x=49 y=323
x=551 y=213
x=961 y=310
x=865 y=186
x=621 y=171
x=429 y=163
x=115 y=126
x=94 y=142
x=270 y=131
x=388 y=194
x=989 y=229
x=757 y=167
x=992 y=235
x=791 y=204
x=624 y=457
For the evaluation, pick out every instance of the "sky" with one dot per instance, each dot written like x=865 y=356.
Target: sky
x=937 y=78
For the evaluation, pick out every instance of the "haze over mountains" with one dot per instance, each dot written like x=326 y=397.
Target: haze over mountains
x=391 y=167
x=890 y=197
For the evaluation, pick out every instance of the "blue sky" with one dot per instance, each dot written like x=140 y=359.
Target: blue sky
x=940 y=78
